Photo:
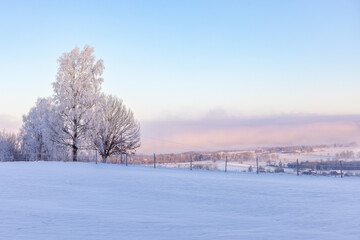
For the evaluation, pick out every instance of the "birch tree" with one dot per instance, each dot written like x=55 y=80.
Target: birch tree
x=115 y=130
x=76 y=88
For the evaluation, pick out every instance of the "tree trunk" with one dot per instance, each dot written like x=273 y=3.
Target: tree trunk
x=74 y=151
x=104 y=159
x=40 y=151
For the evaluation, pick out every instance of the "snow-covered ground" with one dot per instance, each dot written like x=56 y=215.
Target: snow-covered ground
x=56 y=200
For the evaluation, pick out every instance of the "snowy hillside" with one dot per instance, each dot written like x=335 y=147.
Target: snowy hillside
x=56 y=200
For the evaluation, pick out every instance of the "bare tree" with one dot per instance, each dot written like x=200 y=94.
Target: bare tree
x=115 y=130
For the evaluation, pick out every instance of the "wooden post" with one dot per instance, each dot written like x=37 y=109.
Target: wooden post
x=226 y=164
x=257 y=165
x=126 y=158
x=297 y=167
x=154 y=161
x=190 y=162
x=341 y=172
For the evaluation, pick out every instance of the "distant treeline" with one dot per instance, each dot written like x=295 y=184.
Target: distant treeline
x=203 y=156
x=327 y=165
x=290 y=149
x=308 y=149
x=194 y=156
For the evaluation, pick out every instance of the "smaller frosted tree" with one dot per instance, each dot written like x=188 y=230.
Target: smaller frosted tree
x=9 y=146
x=114 y=129
x=3 y=149
x=34 y=134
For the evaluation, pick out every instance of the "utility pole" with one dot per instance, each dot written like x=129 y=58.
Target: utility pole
x=341 y=172
x=154 y=161
x=297 y=167
x=190 y=162
x=226 y=164
x=95 y=156
x=257 y=165
x=126 y=158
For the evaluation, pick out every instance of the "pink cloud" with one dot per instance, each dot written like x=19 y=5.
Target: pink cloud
x=9 y=123
x=227 y=134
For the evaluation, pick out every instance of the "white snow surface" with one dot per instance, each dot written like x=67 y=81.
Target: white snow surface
x=62 y=200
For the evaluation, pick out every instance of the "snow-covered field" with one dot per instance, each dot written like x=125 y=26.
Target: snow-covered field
x=56 y=200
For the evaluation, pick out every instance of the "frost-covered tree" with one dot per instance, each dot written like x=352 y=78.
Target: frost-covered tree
x=3 y=149
x=9 y=147
x=77 y=89
x=78 y=116
x=35 y=133
x=115 y=129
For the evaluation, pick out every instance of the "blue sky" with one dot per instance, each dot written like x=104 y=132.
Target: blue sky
x=187 y=59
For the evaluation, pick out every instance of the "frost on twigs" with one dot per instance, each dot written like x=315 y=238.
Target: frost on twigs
x=76 y=91
x=78 y=116
x=114 y=128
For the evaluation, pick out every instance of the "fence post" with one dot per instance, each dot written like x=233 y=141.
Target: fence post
x=341 y=172
x=297 y=167
x=226 y=164
x=190 y=162
x=257 y=165
x=126 y=158
x=154 y=161
x=121 y=149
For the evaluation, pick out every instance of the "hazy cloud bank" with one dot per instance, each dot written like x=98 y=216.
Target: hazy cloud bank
x=209 y=133
x=9 y=123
